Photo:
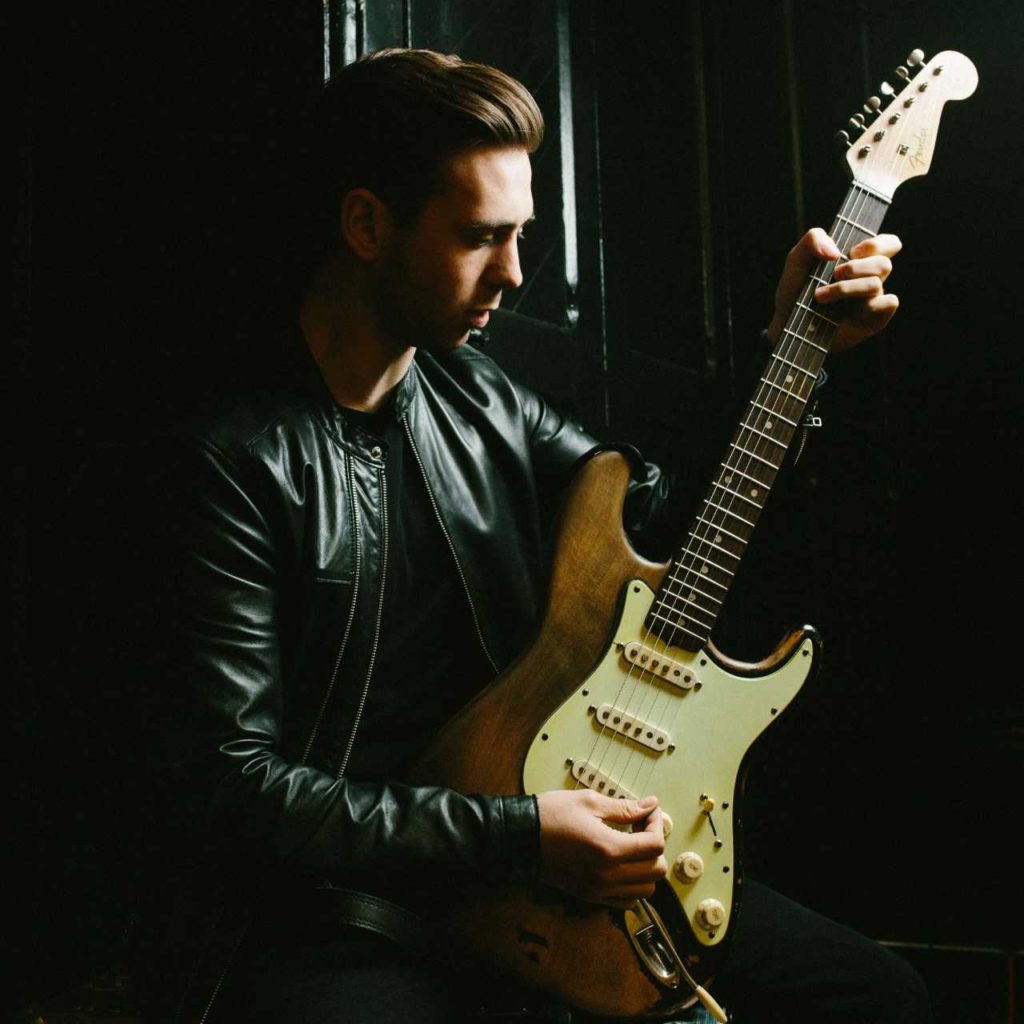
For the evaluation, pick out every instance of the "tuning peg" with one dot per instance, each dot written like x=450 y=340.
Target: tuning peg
x=842 y=139
x=872 y=106
x=914 y=58
x=854 y=125
x=902 y=72
x=887 y=90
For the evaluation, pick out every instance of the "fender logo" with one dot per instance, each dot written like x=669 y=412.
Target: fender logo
x=917 y=158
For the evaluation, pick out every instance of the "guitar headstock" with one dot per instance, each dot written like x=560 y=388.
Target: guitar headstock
x=893 y=137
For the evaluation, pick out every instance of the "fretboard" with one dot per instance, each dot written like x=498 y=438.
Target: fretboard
x=691 y=596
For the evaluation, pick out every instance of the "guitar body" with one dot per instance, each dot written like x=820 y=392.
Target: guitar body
x=549 y=722
x=622 y=690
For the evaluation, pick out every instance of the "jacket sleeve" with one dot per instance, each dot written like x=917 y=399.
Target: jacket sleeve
x=238 y=797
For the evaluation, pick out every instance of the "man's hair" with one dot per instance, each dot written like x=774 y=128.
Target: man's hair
x=391 y=120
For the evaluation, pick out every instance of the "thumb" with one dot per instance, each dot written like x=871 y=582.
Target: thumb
x=623 y=811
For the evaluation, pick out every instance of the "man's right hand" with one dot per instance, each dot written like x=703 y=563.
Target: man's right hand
x=582 y=854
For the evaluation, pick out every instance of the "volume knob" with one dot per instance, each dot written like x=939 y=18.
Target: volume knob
x=689 y=866
x=710 y=914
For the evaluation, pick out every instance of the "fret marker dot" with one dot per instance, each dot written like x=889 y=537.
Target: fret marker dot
x=811 y=328
x=789 y=378
x=681 y=620
x=769 y=425
x=728 y=479
x=704 y=569
x=753 y=492
x=718 y=538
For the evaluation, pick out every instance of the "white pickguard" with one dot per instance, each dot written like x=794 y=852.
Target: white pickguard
x=709 y=729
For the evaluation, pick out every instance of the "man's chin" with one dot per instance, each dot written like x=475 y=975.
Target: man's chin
x=439 y=346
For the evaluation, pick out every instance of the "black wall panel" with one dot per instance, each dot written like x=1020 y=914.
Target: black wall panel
x=157 y=168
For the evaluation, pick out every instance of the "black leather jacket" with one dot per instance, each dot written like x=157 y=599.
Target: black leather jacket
x=277 y=533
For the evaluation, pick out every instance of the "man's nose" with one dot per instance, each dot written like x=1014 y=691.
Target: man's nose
x=505 y=269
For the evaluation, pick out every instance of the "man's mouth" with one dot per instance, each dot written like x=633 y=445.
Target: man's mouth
x=479 y=317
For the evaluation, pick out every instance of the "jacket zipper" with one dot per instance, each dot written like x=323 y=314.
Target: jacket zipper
x=223 y=974
x=351 y=615
x=385 y=531
x=451 y=546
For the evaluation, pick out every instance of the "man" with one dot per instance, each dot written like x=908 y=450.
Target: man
x=356 y=548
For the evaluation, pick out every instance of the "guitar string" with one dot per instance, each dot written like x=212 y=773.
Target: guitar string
x=759 y=447
x=842 y=234
x=772 y=399
x=860 y=200
x=638 y=676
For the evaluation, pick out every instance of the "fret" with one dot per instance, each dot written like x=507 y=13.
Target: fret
x=706 y=561
x=821 y=316
x=778 y=387
x=699 y=576
x=678 y=627
x=859 y=227
x=731 y=546
x=767 y=437
x=797 y=366
x=720 y=529
x=753 y=455
x=694 y=589
x=735 y=470
x=729 y=512
x=807 y=341
x=778 y=415
x=682 y=616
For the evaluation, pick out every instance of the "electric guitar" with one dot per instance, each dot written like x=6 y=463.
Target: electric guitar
x=623 y=690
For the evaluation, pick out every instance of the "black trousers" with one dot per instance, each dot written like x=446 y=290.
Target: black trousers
x=787 y=964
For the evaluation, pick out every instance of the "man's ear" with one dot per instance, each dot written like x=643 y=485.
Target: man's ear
x=366 y=224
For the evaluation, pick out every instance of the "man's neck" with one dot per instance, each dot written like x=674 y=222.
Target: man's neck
x=359 y=365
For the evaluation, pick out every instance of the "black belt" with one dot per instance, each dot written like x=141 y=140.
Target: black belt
x=363 y=910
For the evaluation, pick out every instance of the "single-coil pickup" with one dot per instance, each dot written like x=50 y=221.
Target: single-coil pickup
x=627 y=725
x=583 y=771
x=668 y=669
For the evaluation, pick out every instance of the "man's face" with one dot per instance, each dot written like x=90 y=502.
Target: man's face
x=441 y=277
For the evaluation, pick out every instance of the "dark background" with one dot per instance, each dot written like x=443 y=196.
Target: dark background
x=154 y=240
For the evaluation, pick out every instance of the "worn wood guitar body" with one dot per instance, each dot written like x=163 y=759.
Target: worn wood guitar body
x=623 y=691
x=547 y=724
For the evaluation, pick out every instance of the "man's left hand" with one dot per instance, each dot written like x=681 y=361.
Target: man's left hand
x=859 y=303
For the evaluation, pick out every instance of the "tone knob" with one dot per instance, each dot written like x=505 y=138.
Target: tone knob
x=689 y=866
x=666 y=824
x=710 y=913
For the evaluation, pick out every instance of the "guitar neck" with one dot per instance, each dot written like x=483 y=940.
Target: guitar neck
x=691 y=596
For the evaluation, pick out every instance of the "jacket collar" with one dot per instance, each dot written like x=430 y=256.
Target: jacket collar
x=311 y=381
